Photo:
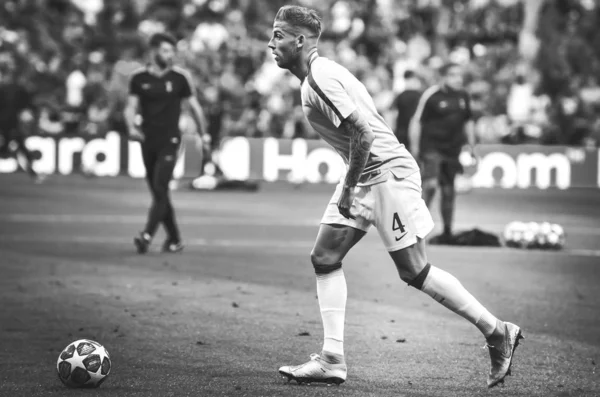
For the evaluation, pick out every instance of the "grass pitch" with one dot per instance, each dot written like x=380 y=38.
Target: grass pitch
x=240 y=301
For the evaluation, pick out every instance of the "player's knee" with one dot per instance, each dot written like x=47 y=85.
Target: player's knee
x=159 y=196
x=448 y=192
x=410 y=269
x=325 y=262
x=407 y=274
x=161 y=191
x=417 y=279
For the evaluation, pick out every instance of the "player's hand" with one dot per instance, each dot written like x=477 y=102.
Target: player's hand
x=136 y=135
x=345 y=202
x=469 y=158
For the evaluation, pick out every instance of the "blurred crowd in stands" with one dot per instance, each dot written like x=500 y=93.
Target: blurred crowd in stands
x=75 y=57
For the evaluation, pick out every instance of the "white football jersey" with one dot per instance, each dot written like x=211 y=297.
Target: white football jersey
x=330 y=93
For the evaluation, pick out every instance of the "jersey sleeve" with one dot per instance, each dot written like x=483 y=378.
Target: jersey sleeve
x=332 y=99
x=187 y=85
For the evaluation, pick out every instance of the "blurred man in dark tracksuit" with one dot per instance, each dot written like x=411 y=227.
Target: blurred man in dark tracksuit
x=405 y=106
x=15 y=106
x=440 y=127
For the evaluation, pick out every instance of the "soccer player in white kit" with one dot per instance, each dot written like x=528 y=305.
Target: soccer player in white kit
x=382 y=187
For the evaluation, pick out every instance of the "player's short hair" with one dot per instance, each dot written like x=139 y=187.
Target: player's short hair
x=301 y=17
x=158 y=38
x=446 y=68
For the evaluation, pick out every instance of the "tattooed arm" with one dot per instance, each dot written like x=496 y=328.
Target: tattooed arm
x=361 y=139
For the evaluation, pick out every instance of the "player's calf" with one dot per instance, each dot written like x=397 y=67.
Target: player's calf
x=332 y=293
x=330 y=366
x=502 y=338
x=449 y=292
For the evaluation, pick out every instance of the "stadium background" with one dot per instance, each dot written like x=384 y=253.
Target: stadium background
x=75 y=57
x=221 y=317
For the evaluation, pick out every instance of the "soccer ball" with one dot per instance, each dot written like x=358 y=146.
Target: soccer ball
x=556 y=236
x=534 y=235
x=83 y=364
x=545 y=227
x=514 y=234
x=530 y=234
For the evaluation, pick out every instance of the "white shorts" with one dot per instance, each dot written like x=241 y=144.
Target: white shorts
x=394 y=206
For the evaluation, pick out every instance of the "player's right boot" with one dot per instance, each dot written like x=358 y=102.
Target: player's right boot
x=316 y=370
x=172 y=247
x=501 y=354
x=142 y=242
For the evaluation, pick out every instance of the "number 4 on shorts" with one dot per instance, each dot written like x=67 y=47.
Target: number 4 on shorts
x=397 y=224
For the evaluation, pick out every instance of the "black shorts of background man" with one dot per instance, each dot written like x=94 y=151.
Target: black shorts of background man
x=15 y=101
x=440 y=127
x=156 y=94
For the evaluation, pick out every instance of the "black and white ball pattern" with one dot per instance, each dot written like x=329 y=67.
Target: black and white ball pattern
x=83 y=363
x=533 y=235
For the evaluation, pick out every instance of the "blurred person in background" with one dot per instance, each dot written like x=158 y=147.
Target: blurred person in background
x=117 y=85
x=156 y=93
x=405 y=105
x=571 y=117
x=519 y=107
x=213 y=110
x=439 y=129
x=16 y=108
x=98 y=114
x=519 y=102
x=75 y=100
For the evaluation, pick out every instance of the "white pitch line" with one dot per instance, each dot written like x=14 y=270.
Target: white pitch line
x=275 y=244
x=223 y=221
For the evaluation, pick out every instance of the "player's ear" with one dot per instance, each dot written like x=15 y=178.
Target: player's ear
x=300 y=41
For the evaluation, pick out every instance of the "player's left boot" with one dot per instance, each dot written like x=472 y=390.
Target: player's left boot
x=316 y=370
x=172 y=246
x=501 y=354
x=142 y=242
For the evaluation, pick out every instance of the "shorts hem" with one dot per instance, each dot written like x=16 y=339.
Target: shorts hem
x=405 y=244
x=345 y=222
x=409 y=242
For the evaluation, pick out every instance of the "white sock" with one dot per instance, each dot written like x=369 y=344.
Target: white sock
x=332 y=293
x=447 y=290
